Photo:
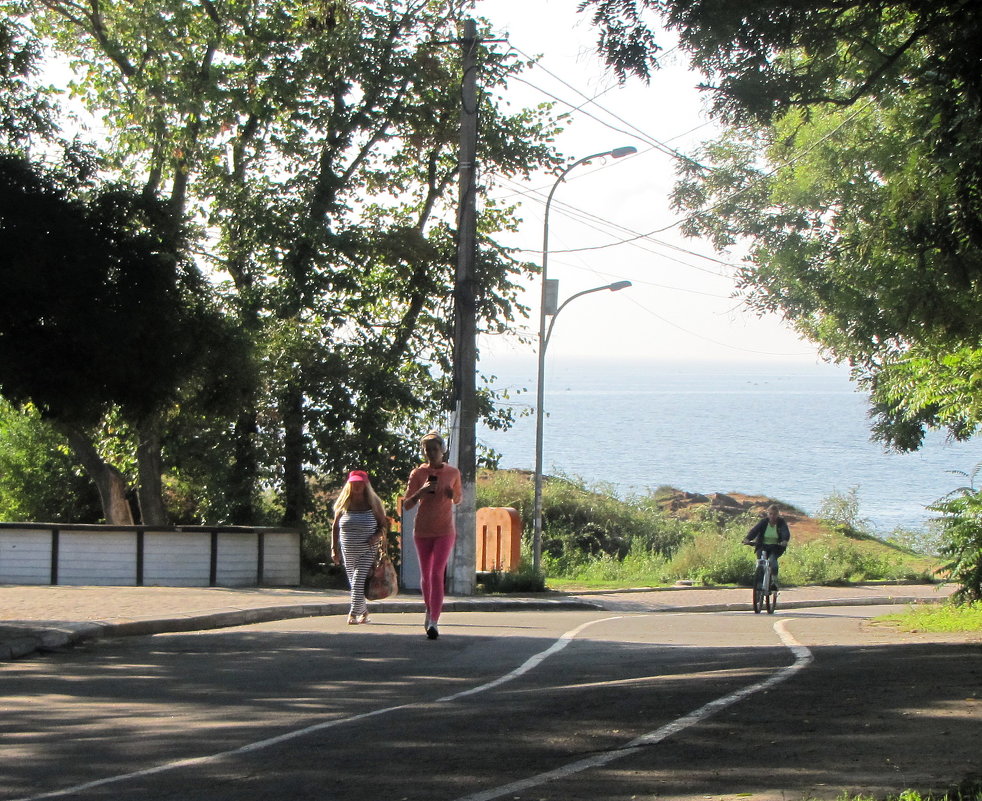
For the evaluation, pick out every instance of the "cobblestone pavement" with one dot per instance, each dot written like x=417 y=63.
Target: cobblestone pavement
x=35 y=618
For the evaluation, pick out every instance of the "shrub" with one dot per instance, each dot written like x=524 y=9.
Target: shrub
x=639 y=568
x=826 y=562
x=525 y=579
x=960 y=526
x=841 y=512
x=716 y=558
x=581 y=522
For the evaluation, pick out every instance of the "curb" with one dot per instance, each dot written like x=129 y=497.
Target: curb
x=746 y=607
x=74 y=633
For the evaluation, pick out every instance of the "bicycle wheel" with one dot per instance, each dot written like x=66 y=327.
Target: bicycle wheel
x=758 y=591
x=771 y=601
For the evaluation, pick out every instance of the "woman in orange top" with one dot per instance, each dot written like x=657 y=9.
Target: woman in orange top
x=435 y=487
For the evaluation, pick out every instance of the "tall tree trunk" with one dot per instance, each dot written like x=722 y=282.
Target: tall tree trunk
x=108 y=480
x=150 y=490
x=294 y=485
x=245 y=467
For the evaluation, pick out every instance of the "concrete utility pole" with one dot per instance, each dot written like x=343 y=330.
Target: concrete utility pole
x=463 y=567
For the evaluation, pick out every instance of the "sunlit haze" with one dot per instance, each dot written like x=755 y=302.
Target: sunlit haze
x=681 y=305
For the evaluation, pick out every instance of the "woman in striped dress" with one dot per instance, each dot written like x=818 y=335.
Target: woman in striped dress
x=360 y=524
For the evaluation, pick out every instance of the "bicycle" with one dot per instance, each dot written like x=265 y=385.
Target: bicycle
x=765 y=588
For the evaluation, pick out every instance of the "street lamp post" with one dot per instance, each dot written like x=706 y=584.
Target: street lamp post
x=537 y=531
x=544 y=334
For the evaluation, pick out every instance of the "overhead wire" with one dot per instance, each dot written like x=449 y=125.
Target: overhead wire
x=635 y=237
x=596 y=223
x=656 y=143
x=664 y=148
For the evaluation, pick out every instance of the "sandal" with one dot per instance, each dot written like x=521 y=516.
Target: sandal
x=364 y=618
x=352 y=620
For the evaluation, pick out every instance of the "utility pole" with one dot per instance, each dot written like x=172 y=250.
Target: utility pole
x=463 y=571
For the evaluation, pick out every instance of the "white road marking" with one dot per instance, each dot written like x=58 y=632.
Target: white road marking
x=259 y=745
x=531 y=662
x=803 y=658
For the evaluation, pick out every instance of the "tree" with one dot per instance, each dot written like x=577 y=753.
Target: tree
x=25 y=111
x=315 y=145
x=851 y=171
x=960 y=524
x=39 y=478
x=97 y=312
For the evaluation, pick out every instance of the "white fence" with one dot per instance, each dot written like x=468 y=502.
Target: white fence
x=185 y=556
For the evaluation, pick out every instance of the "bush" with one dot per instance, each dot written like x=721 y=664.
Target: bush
x=39 y=479
x=960 y=526
x=827 y=562
x=591 y=537
x=840 y=511
x=716 y=558
x=525 y=579
x=580 y=522
x=641 y=567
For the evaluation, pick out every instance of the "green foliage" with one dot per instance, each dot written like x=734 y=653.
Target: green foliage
x=841 y=511
x=852 y=166
x=917 y=541
x=315 y=147
x=39 y=480
x=828 y=562
x=641 y=567
x=714 y=558
x=25 y=111
x=968 y=790
x=523 y=580
x=960 y=525
x=581 y=523
x=648 y=547
x=93 y=292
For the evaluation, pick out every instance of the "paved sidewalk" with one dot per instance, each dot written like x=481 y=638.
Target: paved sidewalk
x=38 y=618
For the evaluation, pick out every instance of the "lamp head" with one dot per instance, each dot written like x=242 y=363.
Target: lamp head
x=620 y=152
x=617 y=286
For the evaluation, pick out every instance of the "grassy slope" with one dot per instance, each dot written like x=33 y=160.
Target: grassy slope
x=804 y=529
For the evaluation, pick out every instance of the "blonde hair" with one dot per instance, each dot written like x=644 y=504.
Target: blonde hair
x=434 y=435
x=374 y=501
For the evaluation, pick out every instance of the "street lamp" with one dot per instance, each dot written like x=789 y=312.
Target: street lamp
x=617 y=286
x=544 y=343
x=544 y=309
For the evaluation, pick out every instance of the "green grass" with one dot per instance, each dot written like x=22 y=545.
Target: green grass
x=969 y=790
x=939 y=618
x=594 y=540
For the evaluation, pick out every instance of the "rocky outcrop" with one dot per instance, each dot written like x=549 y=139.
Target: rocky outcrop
x=691 y=505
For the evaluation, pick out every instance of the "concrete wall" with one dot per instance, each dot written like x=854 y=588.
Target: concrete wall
x=186 y=556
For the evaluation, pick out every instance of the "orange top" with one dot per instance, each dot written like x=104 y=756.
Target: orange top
x=435 y=516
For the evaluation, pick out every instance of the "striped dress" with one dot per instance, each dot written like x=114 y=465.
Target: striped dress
x=355 y=530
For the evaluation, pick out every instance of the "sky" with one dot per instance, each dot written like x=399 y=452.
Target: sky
x=680 y=305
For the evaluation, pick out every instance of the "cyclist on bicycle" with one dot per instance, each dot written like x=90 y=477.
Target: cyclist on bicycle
x=771 y=536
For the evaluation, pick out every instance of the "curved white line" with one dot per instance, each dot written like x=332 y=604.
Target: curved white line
x=259 y=745
x=803 y=657
x=531 y=662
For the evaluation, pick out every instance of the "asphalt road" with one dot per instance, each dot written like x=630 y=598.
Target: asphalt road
x=522 y=705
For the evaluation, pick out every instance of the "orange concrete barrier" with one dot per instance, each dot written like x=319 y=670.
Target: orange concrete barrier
x=499 y=539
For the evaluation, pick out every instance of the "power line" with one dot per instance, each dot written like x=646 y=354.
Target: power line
x=594 y=221
x=658 y=144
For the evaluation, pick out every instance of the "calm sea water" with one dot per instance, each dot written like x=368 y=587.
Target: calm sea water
x=797 y=433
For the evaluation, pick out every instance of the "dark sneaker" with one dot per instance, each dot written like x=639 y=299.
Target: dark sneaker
x=432 y=632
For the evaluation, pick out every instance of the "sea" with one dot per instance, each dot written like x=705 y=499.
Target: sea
x=798 y=433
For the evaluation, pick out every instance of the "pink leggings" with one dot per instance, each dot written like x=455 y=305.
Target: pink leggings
x=433 y=553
